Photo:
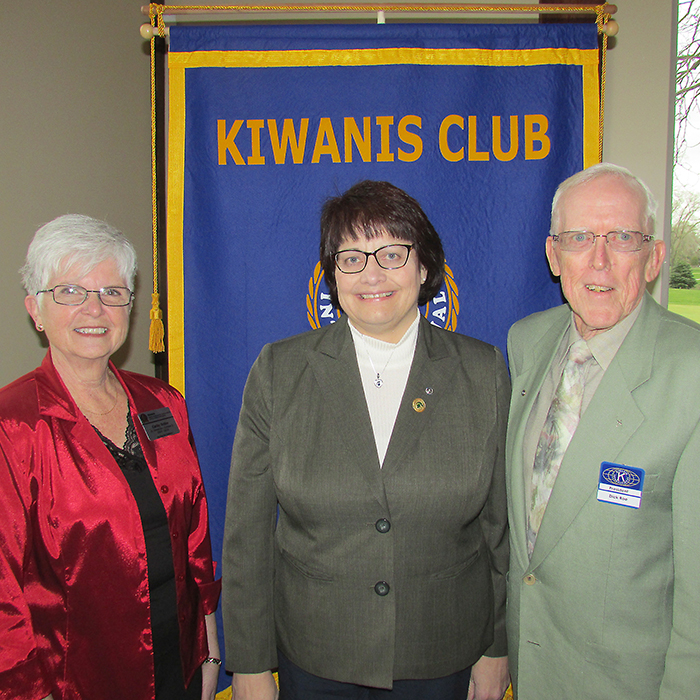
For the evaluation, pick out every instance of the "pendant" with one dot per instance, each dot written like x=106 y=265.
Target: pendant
x=378 y=382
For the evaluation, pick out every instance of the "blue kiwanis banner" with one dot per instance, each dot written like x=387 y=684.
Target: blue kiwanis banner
x=478 y=122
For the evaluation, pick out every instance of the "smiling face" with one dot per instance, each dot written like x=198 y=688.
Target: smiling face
x=380 y=303
x=602 y=286
x=87 y=334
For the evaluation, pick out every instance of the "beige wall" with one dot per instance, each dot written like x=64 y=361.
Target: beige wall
x=639 y=105
x=75 y=134
x=74 y=138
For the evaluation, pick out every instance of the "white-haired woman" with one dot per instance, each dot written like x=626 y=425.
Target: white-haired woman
x=106 y=578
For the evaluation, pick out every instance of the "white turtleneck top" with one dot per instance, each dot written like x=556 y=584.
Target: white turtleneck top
x=392 y=361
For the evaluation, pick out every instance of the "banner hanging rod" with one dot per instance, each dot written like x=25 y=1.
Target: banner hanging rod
x=371 y=7
x=157 y=26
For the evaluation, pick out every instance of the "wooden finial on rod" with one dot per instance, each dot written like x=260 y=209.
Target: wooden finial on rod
x=148 y=31
x=611 y=28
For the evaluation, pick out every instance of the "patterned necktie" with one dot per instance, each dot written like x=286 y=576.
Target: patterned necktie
x=559 y=427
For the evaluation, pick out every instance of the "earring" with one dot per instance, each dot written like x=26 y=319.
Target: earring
x=39 y=327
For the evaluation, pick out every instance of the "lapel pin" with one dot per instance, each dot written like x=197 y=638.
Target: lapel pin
x=428 y=390
x=523 y=392
x=418 y=405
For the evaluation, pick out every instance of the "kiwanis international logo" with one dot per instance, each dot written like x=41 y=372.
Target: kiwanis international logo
x=442 y=311
x=619 y=476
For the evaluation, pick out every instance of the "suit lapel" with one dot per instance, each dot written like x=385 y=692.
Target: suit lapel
x=334 y=363
x=428 y=381
x=526 y=387
x=610 y=420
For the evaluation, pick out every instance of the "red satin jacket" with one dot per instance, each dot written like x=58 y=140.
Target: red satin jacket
x=74 y=603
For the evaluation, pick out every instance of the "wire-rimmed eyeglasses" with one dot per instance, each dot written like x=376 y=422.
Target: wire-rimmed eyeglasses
x=388 y=257
x=75 y=295
x=621 y=241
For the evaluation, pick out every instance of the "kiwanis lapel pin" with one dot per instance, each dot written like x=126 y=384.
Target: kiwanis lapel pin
x=419 y=405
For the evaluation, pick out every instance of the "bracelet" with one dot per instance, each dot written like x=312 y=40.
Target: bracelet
x=212 y=660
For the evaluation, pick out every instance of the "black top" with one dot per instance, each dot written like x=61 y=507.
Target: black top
x=161 y=575
x=169 y=683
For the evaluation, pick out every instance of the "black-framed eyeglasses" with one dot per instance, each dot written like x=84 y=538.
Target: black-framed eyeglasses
x=75 y=295
x=621 y=241
x=388 y=257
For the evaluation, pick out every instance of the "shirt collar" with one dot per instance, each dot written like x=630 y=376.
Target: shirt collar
x=604 y=345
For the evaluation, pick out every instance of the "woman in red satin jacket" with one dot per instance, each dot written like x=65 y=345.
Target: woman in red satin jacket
x=106 y=577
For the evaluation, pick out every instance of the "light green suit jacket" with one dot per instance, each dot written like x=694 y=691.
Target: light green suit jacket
x=609 y=606
x=371 y=574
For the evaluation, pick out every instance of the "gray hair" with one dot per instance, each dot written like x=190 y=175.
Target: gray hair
x=633 y=183
x=75 y=240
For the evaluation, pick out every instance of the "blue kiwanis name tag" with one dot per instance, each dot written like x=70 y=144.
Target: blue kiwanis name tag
x=620 y=484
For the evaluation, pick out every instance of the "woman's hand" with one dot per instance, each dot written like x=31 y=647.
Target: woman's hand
x=490 y=678
x=254 y=686
x=210 y=671
x=210 y=680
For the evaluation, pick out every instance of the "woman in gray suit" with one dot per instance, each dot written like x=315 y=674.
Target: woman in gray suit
x=365 y=546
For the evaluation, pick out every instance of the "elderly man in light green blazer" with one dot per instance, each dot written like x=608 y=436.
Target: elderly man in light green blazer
x=604 y=591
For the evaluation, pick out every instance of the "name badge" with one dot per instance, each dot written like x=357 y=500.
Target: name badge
x=159 y=423
x=620 y=484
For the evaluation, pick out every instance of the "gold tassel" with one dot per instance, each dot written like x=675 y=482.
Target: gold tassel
x=157 y=332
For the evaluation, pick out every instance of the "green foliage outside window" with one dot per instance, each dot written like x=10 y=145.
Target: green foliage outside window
x=682 y=276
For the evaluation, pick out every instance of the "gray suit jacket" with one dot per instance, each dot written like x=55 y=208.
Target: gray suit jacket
x=370 y=574
x=609 y=606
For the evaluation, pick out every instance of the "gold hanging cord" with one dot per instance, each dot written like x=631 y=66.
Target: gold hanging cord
x=156 y=333
x=606 y=27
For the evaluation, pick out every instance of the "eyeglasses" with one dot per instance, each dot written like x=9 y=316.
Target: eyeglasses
x=75 y=295
x=620 y=241
x=388 y=257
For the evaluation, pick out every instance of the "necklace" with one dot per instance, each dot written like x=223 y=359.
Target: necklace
x=378 y=382
x=102 y=413
x=105 y=413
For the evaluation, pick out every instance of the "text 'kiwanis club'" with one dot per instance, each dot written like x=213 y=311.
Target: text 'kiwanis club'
x=381 y=139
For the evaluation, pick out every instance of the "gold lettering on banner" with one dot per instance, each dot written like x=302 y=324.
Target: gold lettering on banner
x=473 y=153
x=371 y=139
x=227 y=142
x=385 y=155
x=536 y=135
x=288 y=140
x=326 y=143
x=410 y=138
x=498 y=142
x=447 y=122
x=363 y=140
x=255 y=158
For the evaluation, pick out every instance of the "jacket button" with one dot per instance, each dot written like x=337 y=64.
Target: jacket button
x=530 y=579
x=383 y=525
x=382 y=588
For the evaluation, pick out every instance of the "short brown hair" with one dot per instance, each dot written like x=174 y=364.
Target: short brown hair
x=373 y=208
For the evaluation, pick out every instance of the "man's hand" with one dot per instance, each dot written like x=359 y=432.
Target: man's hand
x=490 y=678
